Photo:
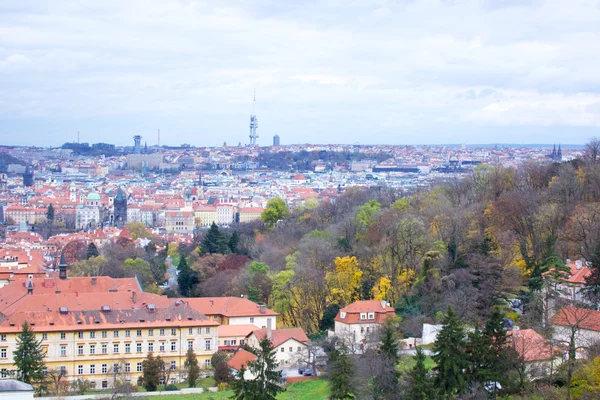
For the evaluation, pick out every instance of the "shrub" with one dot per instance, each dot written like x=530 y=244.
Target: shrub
x=170 y=387
x=223 y=386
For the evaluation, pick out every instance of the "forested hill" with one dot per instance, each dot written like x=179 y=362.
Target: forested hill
x=469 y=245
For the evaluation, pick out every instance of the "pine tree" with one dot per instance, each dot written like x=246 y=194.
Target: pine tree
x=215 y=241
x=193 y=370
x=267 y=381
x=244 y=389
x=420 y=385
x=341 y=375
x=389 y=339
x=92 y=251
x=187 y=277
x=234 y=242
x=50 y=213
x=450 y=356
x=29 y=355
x=151 y=371
x=385 y=383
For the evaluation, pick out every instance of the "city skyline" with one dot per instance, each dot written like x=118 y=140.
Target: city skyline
x=324 y=72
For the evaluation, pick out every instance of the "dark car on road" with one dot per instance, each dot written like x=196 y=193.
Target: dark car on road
x=308 y=372
x=301 y=370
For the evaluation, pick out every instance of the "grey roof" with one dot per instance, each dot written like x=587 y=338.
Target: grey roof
x=13 y=385
x=120 y=195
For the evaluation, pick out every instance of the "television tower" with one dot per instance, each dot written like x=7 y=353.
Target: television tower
x=253 y=124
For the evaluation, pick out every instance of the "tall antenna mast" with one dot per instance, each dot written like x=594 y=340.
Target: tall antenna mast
x=77 y=137
x=253 y=123
x=159 y=138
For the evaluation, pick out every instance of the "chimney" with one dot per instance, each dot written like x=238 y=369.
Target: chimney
x=94 y=280
x=263 y=309
x=578 y=264
x=383 y=304
x=133 y=297
x=269 y=332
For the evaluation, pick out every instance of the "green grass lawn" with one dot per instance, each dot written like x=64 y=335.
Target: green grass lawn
x=407 y=362
x=316 y=389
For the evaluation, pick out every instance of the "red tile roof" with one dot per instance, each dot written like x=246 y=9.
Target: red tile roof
x=352 y=312
x=531 y=345
x=280 y=336
x=240 y=359
x=228 y=306
x=581 y=317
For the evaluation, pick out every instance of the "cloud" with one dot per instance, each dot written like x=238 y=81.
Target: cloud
x=328 y=68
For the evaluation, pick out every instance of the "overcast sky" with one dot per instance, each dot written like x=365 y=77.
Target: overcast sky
x=330 y=71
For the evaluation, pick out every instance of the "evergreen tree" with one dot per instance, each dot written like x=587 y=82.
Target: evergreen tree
x=215 y=241
x=187 y=277
x=420 y=387
x=234 y=242
x=341 y=375
x=385 y=383
x=92 y=251
x=450 y=356
x=389 y=339
x=267 y=381
x=244 y=389
x=592 y=287
x=193 y=370
x=50 y=213
x=29 y=356
x=151 y=372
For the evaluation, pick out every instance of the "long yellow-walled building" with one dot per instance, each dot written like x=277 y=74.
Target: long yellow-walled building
x=91 y=328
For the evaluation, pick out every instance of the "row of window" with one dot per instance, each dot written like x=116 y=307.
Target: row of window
x=104 y=368
x=104 y=334
x=138 y=347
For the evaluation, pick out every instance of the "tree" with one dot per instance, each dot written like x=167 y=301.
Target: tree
x=151 y=372
x=191 y=365
x=29 y=356
x=92 y=251
x=234 y=242
x=267 y=381
x=592 y=150
x=93 y=267
x=344 y=282
x=258 y=282
x=219 y=364
x=138 y=230
x=420 y=386
x=341 y=374
x=276 y=210
x=215 y=241
x=50 y=214
x=449 y=356
x=187 y=277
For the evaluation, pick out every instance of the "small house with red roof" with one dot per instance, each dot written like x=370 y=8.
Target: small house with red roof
x=584 y=321
x=358 y=322
x=240 y=360
x=290 y=343
x=539 y=355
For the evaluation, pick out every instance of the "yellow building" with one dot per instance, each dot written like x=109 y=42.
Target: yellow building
x=248 y=214
x=205 y=215
x=91 y=328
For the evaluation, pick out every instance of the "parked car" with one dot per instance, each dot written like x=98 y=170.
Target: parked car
x=301 y=370
x=308 y=372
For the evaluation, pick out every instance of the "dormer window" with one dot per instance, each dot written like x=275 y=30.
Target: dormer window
x=342 y=315
x=371 y=315
x=363 y=316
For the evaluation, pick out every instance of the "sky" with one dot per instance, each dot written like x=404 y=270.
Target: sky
x=330 y=71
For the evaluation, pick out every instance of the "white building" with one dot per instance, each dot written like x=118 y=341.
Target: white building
x=358 y=322
x=290 y=343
